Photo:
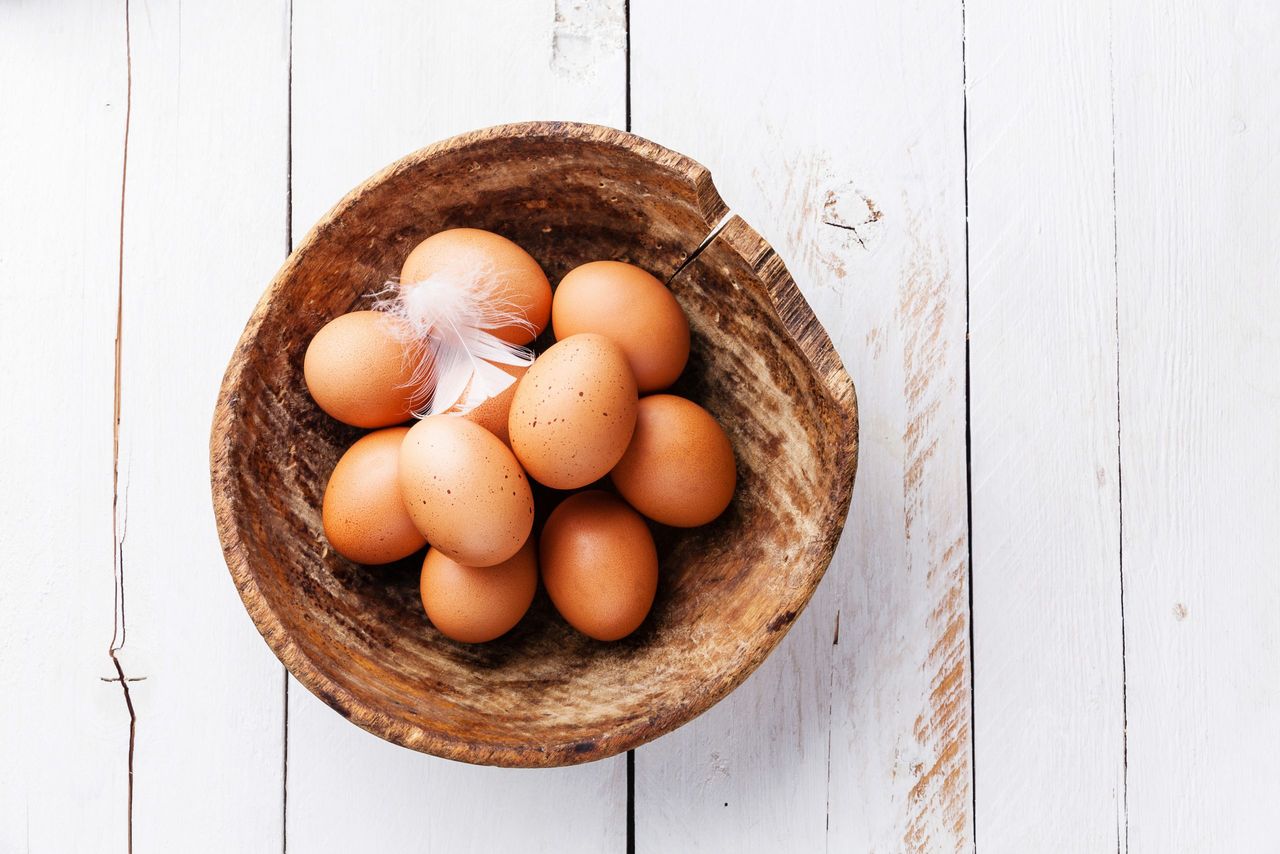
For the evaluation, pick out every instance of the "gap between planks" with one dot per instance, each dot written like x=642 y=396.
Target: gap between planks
x=1122 y=821
x=968 y=433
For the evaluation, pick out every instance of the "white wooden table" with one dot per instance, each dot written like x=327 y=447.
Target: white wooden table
x=1043 y=237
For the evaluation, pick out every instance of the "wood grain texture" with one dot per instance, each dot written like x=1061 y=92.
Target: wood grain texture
x=1197 y=201
x=835 y=130
x=855 y=734
x=205 y=222
x=64 y=725
x=372 y=82
x=1049 y=683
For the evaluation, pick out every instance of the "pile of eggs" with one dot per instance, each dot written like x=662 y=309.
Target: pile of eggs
x=587 y=414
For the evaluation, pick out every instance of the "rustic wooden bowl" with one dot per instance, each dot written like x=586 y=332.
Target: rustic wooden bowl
x=544 y=695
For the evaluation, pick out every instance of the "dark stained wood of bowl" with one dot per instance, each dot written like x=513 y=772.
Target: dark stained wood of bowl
x=543 y=695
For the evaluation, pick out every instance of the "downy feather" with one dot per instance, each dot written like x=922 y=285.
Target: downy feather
x=445 y=321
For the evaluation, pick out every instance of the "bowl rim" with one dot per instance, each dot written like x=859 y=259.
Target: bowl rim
x=795 y=316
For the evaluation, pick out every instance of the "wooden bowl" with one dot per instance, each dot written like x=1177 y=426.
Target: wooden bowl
x=543 y=695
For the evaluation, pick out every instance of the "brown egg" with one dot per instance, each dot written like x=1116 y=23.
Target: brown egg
x=513 y=272
x=573 y=413
x=678 y=469
x=474 y=604
x=358 y=371
x=364 y=517
x=634 y=309
x=492 y=415
x=599 y=564
x=465 y=491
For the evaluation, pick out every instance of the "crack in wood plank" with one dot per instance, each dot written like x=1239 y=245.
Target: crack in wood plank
x=118 y=522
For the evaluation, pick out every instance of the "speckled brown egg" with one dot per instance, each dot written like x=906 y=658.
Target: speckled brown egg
x=358 y=371
x=599 y=565
x=573 y=413
x=474 y=604
x=633 y=309
x=364 y=518
x=679 y=468
x=465 y=491
x=492 y=415
x=517 y=281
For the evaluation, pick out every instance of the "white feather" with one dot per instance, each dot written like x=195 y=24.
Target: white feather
x=446 y=319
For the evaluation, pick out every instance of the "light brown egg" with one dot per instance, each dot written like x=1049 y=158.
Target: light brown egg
x=364 y=517
x=631 y=307
x=470 y=252
x=474 y=604
x=679 y=468
x=465 y=491
x=599 y=564
x=492 y=415
x=573 y=413
x=358 y=371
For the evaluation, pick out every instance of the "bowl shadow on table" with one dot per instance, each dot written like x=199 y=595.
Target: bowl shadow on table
x=543 y=695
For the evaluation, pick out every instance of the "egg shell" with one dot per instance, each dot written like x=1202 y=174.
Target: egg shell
x=679 y=468
x=358 y=371
x=633 y=309
x=599 y=565
x=573 y=412
x=474 y=604
x=465 y=491
x=470 y=252
x=364 y=518
x=493 y=414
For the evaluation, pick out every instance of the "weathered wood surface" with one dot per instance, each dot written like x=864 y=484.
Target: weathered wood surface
x=1197 y=139
x=804 y=113
x=1049 y=675
x=855 y=735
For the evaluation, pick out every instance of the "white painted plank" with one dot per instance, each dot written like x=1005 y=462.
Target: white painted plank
x=836 y=130
x=1198 y=201
x=1049 y=684
x=370 y=84
x=64 y=732
x=204 y=229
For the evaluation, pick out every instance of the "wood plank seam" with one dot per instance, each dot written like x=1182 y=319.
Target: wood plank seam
x=1122 y=820
x=968 y=426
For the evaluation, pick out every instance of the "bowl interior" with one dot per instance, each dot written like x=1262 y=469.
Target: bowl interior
x=543 y=695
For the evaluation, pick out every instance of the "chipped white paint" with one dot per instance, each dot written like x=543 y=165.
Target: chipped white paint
x=837 y=130
x=586 y=36
x=1197 y=209
x=851 y=161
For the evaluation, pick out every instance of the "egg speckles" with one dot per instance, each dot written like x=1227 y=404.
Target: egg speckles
x=465 y=491
x=574 y=411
